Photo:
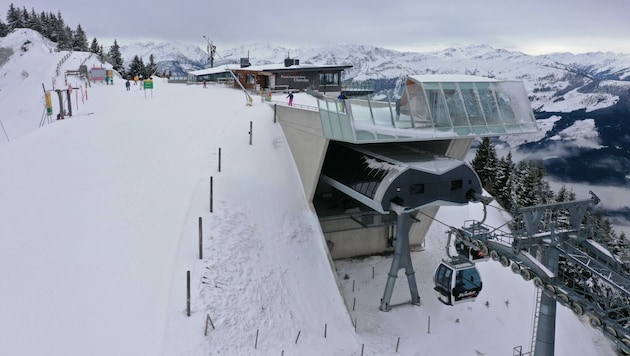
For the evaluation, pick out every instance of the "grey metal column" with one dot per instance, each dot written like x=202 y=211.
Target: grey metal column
x=69 y=96
x=546 y=333
x=62 y=112
x=402 y=259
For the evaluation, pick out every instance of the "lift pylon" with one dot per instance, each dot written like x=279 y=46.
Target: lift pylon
x=402 y=259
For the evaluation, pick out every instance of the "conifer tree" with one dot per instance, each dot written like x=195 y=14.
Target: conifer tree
x=116 y=58
x=79 y=40
x=136 y=67
x=503 y=181
x=65 y=38
x=151 y=67
x=4 y=29
x=46 y=25
x=101 y=54
x=94 y=46
x=531 y=187
x=58 y=31
x=484 y=164
x=14 y=18
x=34 y=22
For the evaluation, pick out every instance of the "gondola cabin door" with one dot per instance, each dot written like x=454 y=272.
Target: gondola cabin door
x=457 y=281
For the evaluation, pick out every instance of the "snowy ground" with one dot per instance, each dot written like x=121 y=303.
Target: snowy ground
x=100 y=224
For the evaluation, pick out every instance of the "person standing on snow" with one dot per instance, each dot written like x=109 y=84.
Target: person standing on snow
x=128 y=85
x=290 y=96
x=342 y=101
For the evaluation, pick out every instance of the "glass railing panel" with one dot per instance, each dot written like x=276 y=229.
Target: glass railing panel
x=326 y=126
x=382 y=112
x=347 y=132
x=362 y=117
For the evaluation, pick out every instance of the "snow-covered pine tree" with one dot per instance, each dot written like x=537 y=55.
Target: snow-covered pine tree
x=530 y=186
x=94 y=46
x=485 y=164
x=79 y=40
x=503 y=181
x=116 y=58
x=34 y=22
x=4 y=29
x=151 y=67
x=15 y=18
x=136 y=67
x=47 y=24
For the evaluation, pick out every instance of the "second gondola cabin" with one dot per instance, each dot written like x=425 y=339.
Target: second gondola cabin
x=457 y=281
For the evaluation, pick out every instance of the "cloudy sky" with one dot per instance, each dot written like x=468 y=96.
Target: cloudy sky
x=533 y=27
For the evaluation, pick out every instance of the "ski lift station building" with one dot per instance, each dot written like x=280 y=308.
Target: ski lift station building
x=356 y=157
x=290 y=76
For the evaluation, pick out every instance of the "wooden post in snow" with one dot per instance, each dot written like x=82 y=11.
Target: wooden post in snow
x=188 y=293
x=200 y=240
x=251 y=132
x=211 y=194
x=219 y=159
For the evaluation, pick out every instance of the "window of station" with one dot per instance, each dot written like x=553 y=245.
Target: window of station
x=329 y=78
x=251 y=79
x=457 y=184
x=416 y=189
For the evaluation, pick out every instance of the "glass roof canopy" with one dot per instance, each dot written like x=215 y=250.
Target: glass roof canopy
x=432 y=107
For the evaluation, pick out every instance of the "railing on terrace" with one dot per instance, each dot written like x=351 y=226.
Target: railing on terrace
x=360 y=86
x=297 y=106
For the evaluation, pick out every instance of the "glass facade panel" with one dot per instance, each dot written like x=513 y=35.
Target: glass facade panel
x=488 y=104
x=505 y=107
x=431 y=110
x=416 y=108
x=455 y=104
x=437 y=106
x=473 y=107
x=490 y=107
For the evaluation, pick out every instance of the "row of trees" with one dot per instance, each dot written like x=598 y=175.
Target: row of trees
x=524 y=184
x=50 y=25
x=53 y=27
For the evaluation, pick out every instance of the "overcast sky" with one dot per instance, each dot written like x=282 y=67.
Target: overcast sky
x=533 y=26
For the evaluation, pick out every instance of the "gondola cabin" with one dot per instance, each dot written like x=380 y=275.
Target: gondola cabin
x=457 y=281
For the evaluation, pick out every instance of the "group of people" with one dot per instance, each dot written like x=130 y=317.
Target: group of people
x=136 y=79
